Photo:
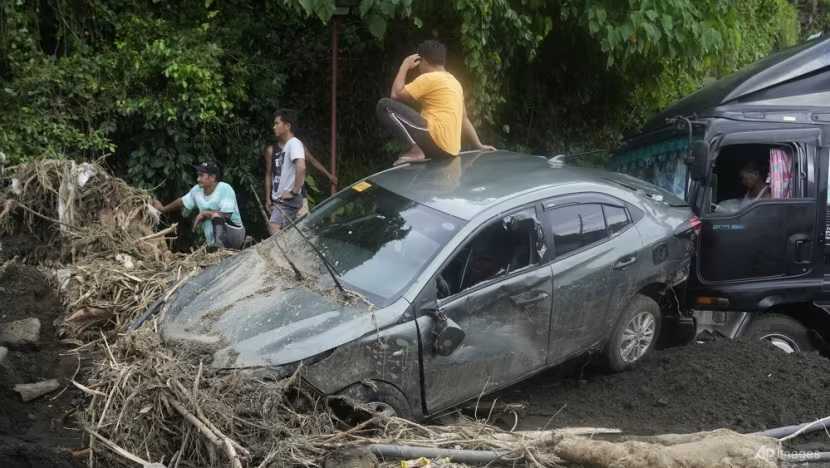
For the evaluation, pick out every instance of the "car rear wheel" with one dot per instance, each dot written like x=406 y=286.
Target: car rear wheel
x=781 y=331
x=635 y=334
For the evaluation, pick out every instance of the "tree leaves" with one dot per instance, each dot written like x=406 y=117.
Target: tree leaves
x=377 y=25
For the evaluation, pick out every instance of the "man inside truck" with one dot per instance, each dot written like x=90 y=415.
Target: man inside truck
x=754 y=179
x=749 y=173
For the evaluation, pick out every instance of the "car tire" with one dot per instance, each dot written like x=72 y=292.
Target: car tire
x=380 y=398
x=783 y=332
x=635 y=334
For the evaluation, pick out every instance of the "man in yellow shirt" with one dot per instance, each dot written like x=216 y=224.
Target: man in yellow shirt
x=436 y=132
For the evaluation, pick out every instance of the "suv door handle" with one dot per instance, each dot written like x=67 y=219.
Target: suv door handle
x=624 y=262
x=530 y=297
x=799 y=248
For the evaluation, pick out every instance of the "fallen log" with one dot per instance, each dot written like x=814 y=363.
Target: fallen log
x=405 y=452
x=219 y=441
x=721 y=447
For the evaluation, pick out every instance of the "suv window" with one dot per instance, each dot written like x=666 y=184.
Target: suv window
x=575 y=226
x=616 y=218
x=501 y=247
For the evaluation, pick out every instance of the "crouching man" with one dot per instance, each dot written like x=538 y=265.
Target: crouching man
x=218 y=215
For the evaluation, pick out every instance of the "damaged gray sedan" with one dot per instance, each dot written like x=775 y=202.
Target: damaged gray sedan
x=429 y=284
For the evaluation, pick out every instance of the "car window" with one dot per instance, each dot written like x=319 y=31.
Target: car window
x=575 y=226
x=503 y=246
x=616 y=218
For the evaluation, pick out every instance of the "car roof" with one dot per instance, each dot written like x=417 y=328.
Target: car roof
x=475 y=181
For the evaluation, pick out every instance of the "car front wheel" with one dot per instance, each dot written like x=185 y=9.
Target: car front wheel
x=635 y=334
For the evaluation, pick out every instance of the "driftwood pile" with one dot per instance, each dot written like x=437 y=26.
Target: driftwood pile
x=79 y=210
x=155 y=405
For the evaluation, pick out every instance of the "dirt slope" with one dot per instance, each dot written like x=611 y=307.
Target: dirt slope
x=34 y=434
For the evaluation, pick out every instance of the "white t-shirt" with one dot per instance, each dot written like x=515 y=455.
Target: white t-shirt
x=291 y=151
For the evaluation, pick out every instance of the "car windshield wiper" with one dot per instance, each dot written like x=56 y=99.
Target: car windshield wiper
x=288 y=259
x=352 y=222
x=326 y=263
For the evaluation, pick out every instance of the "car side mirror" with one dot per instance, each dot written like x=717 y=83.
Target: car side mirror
x=697 y=160
x=447 y=335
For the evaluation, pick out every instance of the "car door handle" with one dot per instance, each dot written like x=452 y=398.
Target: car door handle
x=625 y=262
x=526 y=298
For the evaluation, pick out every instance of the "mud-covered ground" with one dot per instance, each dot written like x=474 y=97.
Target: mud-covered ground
x=741 y=385
x=41 y=432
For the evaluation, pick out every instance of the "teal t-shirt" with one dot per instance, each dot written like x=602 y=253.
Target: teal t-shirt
x=222 y=199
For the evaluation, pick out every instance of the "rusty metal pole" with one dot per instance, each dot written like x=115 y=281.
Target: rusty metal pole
x=334 y=29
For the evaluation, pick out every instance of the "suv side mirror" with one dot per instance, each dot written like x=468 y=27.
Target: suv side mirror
x=697 y=160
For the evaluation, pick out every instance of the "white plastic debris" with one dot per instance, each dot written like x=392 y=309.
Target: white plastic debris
x=125 y=260
x=85 y=172
x=16 y=187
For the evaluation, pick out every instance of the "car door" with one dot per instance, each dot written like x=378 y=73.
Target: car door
x=760 y=238
x=592 y=265
x=496 y=290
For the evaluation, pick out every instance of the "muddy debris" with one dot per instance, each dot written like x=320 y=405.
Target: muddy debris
x=742 y=385
x=20 y=333
x=39 y=432
x=32 y=391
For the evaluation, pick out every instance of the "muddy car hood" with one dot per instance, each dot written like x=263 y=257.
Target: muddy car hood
x=248 y=313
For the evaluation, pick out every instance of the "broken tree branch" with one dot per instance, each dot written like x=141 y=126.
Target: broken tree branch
x=220 y=442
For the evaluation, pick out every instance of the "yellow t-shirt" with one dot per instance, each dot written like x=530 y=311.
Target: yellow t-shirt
x=442 y=106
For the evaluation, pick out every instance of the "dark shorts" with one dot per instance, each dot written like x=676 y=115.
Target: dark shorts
x=409 y=127
x=283 y=213
x=227 y=235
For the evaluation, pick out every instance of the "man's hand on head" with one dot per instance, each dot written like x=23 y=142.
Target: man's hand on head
x=157 y=205
x=411 y=62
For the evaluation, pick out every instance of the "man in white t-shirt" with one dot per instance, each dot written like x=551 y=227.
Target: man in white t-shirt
x=287 y=173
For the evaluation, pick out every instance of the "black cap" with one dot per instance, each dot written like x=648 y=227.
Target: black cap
x=207 y=167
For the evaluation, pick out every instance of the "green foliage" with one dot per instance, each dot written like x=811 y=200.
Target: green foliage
x=650 y=28
x=161 y=85
x=814 y=16
x=751 y=30
x=52 y=105
x=376 y=13
x=492 y=34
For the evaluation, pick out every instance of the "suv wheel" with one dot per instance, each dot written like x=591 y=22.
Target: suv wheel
x=783 y=332
x=635 y=334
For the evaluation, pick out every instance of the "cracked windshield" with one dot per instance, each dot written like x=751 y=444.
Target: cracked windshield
x=368 y=233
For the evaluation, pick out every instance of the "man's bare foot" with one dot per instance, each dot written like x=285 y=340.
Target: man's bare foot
x=407 y=160
x=413 y=154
